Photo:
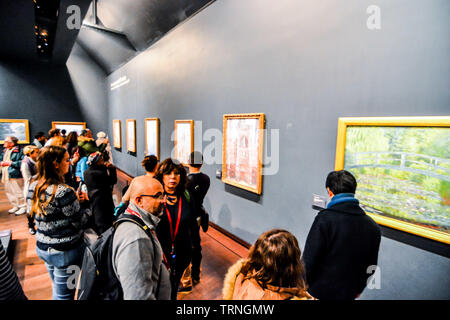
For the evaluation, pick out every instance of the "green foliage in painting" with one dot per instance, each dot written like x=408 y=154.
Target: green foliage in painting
x=402 y=172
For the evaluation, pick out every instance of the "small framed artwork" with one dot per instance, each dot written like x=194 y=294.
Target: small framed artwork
x=117 y=134
x=131 y=135
x=243 y=141
x=18 y=128
x=69 y=126
x=184 y=140
x=402 y=167
x=152 y=137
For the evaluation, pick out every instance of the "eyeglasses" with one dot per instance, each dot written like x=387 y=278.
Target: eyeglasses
x=158 y=196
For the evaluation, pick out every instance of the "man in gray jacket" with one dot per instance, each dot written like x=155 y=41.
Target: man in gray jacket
x=138 y=261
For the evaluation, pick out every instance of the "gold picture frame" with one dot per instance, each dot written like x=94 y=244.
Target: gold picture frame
x=184 y=140
x=19 y=128
x=69 y=126
x=243 y=142
x=152 y=136
x=131 y=135
x=398 y=134
x=117 y=134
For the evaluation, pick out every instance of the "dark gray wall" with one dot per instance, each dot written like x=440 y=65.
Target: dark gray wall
x=89 y=82
x=39 y=92
x=303 y=64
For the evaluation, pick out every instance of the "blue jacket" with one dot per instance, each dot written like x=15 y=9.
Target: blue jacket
x=16 y=158
x=81 y=168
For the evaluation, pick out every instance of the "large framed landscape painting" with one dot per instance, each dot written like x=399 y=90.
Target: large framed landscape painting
x=69 y=126
x=243 y=140
x=402 y=166
x=184 y=140
x=18 y=128
x=152 y=137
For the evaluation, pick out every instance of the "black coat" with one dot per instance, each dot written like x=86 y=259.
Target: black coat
x=99 y=182
x=342 y=243
x=185 y=236
x=198 y=185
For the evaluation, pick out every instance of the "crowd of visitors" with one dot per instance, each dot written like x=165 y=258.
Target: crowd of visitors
x=152 y=237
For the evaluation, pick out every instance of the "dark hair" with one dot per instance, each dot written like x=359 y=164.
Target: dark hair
x=149 y=163
x=53 y=132
x=196 y=159
x=275 y=259
x=63 y=131
x=84 y=132
x=341 y=182
x=39 y=134
x=72 y=138
x=166 y=167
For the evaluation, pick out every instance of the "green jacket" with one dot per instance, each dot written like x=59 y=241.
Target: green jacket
x=89 y=146
x=16 y=158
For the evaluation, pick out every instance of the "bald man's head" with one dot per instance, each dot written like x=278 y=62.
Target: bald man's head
x=147 y=194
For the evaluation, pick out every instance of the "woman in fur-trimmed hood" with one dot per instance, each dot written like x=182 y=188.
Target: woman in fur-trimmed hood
x=272 y=271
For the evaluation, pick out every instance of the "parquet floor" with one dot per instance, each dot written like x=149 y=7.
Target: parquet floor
x=30 y=269
x=219 y=253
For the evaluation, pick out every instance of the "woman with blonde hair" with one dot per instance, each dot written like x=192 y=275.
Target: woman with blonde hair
x=28 y=167
x=29 y=173
x=59 y=219
x=272 y=271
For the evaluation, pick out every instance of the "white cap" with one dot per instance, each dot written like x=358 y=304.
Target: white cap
x=101 y=135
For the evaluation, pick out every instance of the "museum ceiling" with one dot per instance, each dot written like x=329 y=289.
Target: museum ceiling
x=112 y=31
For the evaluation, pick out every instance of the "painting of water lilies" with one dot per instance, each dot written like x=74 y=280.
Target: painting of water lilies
x=403 y=175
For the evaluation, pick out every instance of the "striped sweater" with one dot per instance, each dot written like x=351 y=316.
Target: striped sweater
x=10 y=288
x=61 y=228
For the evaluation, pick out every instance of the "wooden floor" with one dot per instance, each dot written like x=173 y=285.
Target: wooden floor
x=219 y=253
x=30 y=269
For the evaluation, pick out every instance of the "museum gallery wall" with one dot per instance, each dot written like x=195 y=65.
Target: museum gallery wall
x=304 y=72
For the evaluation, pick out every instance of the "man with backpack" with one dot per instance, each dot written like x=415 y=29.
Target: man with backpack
x=138 y=261
x=127 y=262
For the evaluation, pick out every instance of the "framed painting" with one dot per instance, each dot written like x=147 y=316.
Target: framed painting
x=131 y=135
x=402 y=167
x=184 y=140
x=18 y=128
x=243 y=141
x=69 y=126
x=152 y=137
x=117 y=134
